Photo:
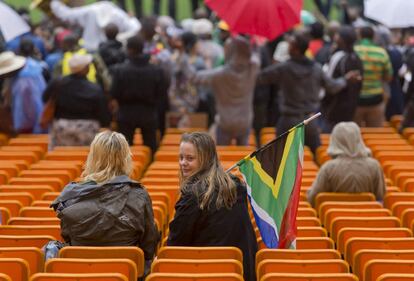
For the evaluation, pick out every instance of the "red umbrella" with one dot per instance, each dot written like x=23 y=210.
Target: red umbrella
x=268 y=18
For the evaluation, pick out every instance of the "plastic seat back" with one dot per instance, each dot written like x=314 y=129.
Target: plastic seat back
x=134 y=254
x=16 y=268
x=309 y=277
x=200 y=253
x=33 y=256
x=194 y=277
x=197 y=266
x=377 y=267
x=79 y=277
x=72 y=265
x=301 y=266
x=286 y=254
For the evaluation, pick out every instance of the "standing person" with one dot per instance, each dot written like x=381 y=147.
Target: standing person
x=81 y=108
x=352 y=168
x=300 y=80
x=233 y=88
x=377 y=74
x=140 y=89
x=111 y=50
x=395 y=105
x=341 y=106
x=22 y=91
x=212 y=209
x=93 y=18
x=107 y=208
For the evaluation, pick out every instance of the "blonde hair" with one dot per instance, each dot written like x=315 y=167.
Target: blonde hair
x=109 y=156
x=210 y=177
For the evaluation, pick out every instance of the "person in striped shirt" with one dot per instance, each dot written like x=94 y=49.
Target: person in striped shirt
x=377 y=74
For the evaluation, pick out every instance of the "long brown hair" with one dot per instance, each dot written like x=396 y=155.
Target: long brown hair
x=210 y=177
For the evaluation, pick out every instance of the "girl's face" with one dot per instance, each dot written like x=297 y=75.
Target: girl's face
x=189 y=162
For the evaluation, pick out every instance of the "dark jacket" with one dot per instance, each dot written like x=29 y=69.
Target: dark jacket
x=111 y=52
x=342 y=105
x=192 y=226
x=118 y=213
x=77 y=98
x=300 y=81
x=140 y=88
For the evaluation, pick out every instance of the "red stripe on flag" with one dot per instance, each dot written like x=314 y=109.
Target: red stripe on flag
x=288 y=229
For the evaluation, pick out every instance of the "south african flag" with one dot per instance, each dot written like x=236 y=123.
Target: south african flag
x=273 y=175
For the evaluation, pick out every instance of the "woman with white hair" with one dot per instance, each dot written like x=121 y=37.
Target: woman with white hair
x=107 y=208
x=351 y=169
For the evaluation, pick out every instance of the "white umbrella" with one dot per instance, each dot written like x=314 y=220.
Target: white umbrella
x=11 y=24
x=391 y=13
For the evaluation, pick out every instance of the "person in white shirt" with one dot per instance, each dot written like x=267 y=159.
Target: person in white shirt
x=93 y=18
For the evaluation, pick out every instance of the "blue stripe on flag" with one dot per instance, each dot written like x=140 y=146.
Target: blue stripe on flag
x=267 y=232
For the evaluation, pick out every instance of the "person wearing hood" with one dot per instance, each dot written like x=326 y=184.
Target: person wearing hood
x=233 y=87
x=352 y=169
x=107 y=208
x=300 y=80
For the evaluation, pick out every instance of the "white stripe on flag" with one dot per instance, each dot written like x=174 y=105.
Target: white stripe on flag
x=259 y=211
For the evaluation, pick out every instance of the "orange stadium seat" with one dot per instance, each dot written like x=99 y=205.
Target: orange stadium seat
x=354 y=244
x=200 y=253
x=36 y=190
x=33 y=221
x=25 y=240
x=375 y=268
x=347 y=233
x=370 y=222
x=54 y=182
x=362 y=257
x=4 y=215
x=396 y=277
x=13 y=206
x=333 y=213
x=298 y=254
x=311 y=231
x=314 y=243
x=37 y=212
x=309 y=277
x=25 y=198
x=52 y=230
x=197 y=266
x=331 y=196
x=301 y=266
x=194 y=277
x=134 y=254
x=74 y=265
x=327 y=205
x=391 y=198
x=78 y=277
x=33 y=256
x=16 y=268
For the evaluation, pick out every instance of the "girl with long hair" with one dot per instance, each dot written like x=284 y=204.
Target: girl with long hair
x=212 y=209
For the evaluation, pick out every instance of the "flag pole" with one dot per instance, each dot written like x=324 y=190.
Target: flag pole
x=305 y=122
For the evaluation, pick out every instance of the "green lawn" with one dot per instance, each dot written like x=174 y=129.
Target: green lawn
x=183 y=7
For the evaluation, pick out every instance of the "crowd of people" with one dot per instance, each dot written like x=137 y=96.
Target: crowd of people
x=97 y=67
x=156 y=72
